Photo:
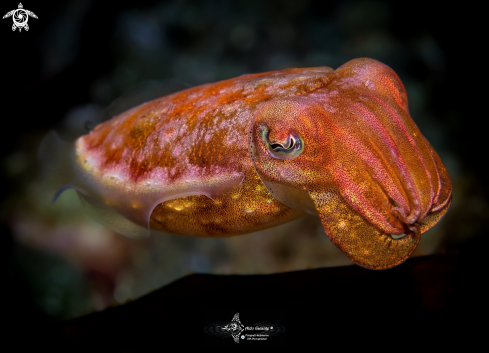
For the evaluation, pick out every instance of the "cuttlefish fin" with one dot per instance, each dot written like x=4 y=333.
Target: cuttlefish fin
x=126 y=210
x=54 y=158
x=59 y=173
x=109 y=217
x=362 y=242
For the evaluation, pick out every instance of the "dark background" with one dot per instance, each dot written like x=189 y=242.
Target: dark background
x=87 y=52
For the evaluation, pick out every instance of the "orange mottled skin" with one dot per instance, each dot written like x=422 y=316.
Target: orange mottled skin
x=195 y=162
x=201 y=110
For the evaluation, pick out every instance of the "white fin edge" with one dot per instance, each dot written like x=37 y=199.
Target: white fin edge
x=61 y=172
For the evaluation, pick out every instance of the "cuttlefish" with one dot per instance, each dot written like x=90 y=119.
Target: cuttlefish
x=260 y=150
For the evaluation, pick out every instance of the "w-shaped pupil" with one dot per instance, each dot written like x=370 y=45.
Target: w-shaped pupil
x=276 y=146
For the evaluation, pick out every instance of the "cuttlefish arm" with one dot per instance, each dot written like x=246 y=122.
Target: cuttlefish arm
x=354 y=156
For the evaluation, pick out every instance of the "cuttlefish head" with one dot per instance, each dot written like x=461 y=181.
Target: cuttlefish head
x=351 y=154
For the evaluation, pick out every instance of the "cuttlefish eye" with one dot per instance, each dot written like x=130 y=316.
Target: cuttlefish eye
x=291 y=148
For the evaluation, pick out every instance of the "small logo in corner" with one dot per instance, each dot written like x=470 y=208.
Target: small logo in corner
x=20 y=17
x=234 y=328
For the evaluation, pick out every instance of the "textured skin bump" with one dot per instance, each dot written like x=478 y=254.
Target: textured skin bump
x=365 y=169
